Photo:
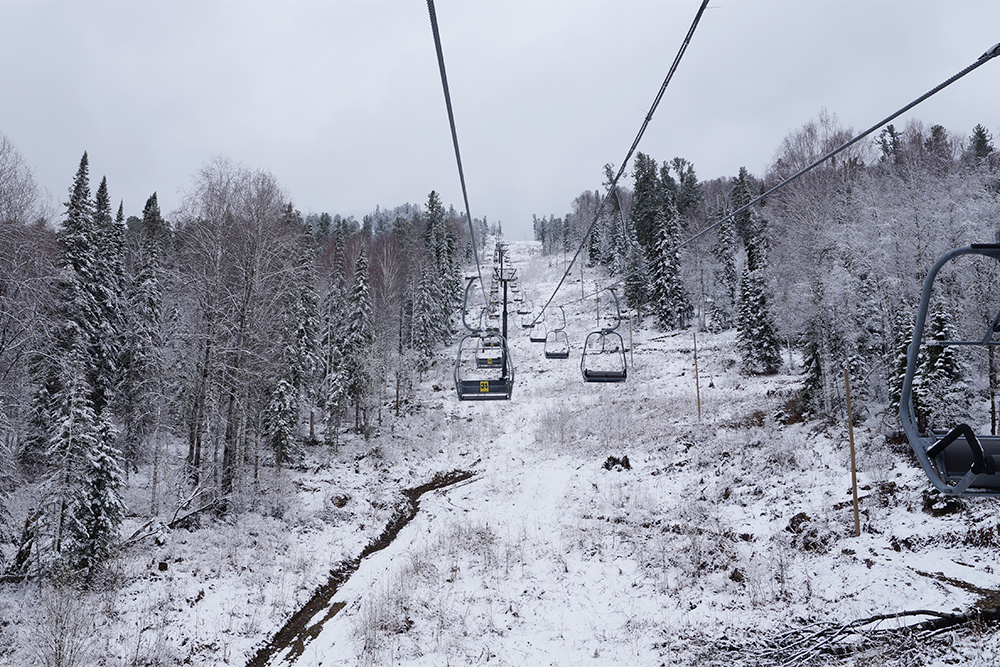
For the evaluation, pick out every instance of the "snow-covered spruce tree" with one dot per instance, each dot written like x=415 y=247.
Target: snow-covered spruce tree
x=301 y=314
x=637 y=288
x=332 y=382
x=873 y=349
x=686 y=189
x=73 y=439
x=76 y=374
x=105 y=290
x=902 y=335
x=727 y=278
x=669 y=299
x=42 y=369
x=101 y=511
x=407 y=240
x=441 y=246
x=757 y=336
x=426 y=321
x=281 y=422
x=299 y=331
x=620 y=233
x=142 y=354
x=981 y=142
x=72 y=311
x=942 y=391
x=647 y=201
x=824 y=356
x=358 y=344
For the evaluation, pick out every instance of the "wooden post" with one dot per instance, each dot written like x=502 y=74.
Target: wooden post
x=854 y=468
x=697 y=383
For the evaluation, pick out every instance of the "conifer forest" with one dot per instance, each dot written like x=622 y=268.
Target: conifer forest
x=236 y=397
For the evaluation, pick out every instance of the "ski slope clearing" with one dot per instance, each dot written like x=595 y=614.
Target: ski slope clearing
x=725 y=540
x=720 y=537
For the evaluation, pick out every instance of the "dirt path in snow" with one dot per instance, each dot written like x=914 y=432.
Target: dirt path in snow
x=304 y=626
x=539 y=380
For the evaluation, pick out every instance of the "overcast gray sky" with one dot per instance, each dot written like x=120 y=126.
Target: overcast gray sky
x=341 y=100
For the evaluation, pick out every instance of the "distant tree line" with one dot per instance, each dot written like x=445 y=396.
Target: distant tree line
x=199 y=349
x=829 y=268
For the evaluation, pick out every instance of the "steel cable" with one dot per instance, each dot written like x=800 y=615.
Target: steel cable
x=983 y=59
x=454 y=137
x=628 y=156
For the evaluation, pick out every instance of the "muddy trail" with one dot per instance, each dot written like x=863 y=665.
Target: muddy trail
x=298 y=631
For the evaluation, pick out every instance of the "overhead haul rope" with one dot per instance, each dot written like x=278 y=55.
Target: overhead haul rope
x=628 y=156
x=454 y=137
x=993 y=52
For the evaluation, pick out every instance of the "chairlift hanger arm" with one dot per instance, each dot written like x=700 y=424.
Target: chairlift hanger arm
x=618 y=321
x=465 y=308
x=563 y=311
x=994 y=328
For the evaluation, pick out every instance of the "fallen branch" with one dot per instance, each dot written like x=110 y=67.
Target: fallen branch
x=802 y=646
x=184 y=504
x=176 y=521
x=141 y=533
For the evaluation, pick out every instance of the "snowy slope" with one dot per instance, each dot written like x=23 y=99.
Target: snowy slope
x=730 y=540
x=693 y=555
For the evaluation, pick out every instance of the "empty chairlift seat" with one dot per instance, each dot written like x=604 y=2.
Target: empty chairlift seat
x=536 y=330
x=557 y=342
x=603 y=358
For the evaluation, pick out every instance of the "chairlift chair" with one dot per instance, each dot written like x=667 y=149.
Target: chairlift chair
x=524 y=314
x=483 y=368
x=537 y=333
x=535 y=329
x=557 y=341
x=959 y=461
x=603 y=358
x=491 y=351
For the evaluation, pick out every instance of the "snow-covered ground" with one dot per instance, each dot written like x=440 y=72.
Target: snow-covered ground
x=730 y=539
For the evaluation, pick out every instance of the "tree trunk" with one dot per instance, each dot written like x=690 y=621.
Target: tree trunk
x=229 y=447
x=197 y=418
x=153 y=505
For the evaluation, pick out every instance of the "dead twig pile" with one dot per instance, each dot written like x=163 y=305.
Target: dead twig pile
x=881 y=636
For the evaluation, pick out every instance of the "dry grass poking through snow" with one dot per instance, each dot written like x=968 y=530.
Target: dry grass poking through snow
x=724 y=536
